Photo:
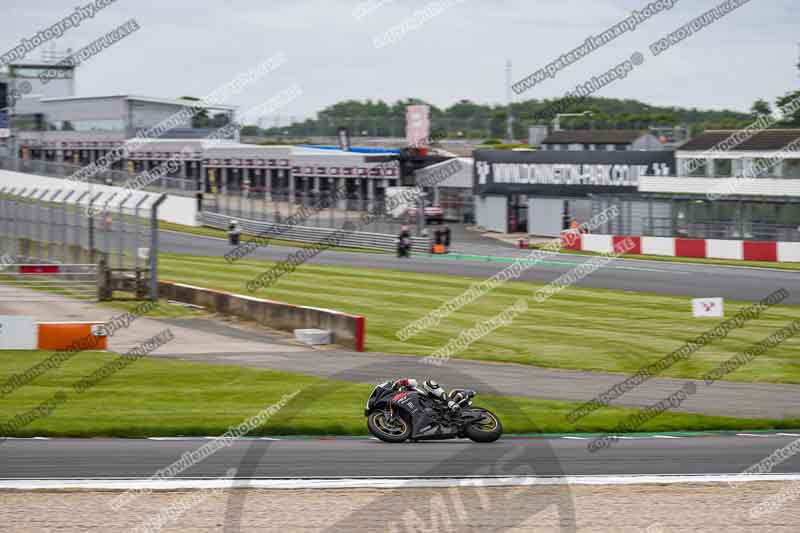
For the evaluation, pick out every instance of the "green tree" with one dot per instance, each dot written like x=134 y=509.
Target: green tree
x=790 y=118
x=761 y=107
x=200 y=119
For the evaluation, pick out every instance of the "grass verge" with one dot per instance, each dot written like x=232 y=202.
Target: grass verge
x=580 y=329
x=155 y=397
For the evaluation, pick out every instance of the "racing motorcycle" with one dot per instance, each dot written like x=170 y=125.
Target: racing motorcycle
x=398 y=411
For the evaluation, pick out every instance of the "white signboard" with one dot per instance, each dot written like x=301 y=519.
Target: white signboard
x=399 y=207
x=708 y=307
x=5 y=133
x=18 y=333
x=418 y=125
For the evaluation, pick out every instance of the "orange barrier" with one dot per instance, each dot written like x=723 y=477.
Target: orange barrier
x=72 y=336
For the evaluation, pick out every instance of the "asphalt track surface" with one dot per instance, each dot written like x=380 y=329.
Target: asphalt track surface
x=659 y=277
x=365 y=457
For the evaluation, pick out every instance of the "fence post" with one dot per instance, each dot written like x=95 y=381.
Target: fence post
x=50 y=240
x=104 y=289
x=90 y=214
x=154 y=248
x=65 y=225
x=123 y=227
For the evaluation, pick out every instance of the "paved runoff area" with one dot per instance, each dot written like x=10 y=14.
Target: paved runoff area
x=708 y=507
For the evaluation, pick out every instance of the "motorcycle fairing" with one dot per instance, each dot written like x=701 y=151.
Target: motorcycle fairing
x=423 y=425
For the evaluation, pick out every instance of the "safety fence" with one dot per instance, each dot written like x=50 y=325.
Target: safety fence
x=81 y=227
x=42 y=281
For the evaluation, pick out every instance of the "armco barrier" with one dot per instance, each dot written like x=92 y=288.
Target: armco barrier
x=680 y=247
x=347 y=330
x=352 y=239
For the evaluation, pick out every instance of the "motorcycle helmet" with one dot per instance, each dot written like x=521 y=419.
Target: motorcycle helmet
x=408 y=383
x=433 y=388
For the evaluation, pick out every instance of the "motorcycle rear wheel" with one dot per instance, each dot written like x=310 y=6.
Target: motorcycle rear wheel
x=487 y=429
x=387 y=428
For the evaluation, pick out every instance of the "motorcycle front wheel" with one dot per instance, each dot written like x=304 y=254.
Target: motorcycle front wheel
x=387 y=428
x=487 y=429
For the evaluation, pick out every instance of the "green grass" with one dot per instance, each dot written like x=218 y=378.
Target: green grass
x=156 y=397
x=163 y=310
x=222 y=234
x=697 y=260
x=588 y=329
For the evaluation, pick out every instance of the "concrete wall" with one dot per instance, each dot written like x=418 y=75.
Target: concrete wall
x=704 y=248
x=347 y=330
x=177 y=209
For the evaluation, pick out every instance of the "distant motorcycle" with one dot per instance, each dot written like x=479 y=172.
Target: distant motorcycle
x=403 y=247
x=396 y=412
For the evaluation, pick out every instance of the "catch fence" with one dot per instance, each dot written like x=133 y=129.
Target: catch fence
x=115 y=232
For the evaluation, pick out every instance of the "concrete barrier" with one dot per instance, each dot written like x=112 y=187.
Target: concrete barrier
x=57 y=336
x=769 y=251
x=347 y=330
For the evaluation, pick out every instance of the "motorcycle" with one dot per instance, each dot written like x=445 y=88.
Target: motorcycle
x=403 y=247
x=397 y=412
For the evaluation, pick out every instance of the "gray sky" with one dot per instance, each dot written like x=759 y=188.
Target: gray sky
x=191 y=47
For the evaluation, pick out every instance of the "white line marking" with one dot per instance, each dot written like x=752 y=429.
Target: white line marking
x=701 y=264
x=665 y=437
x=190 y=439
x=576 y=438
x=789 y=434
x=751 y=435
x=381 y=483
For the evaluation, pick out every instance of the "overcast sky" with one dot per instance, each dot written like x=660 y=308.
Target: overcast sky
x=191 y=47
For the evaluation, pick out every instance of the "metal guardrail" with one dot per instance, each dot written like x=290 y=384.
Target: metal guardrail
x=352 y=239
x=45 y=282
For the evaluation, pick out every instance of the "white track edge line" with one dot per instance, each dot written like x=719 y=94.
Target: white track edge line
x=380 y=483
